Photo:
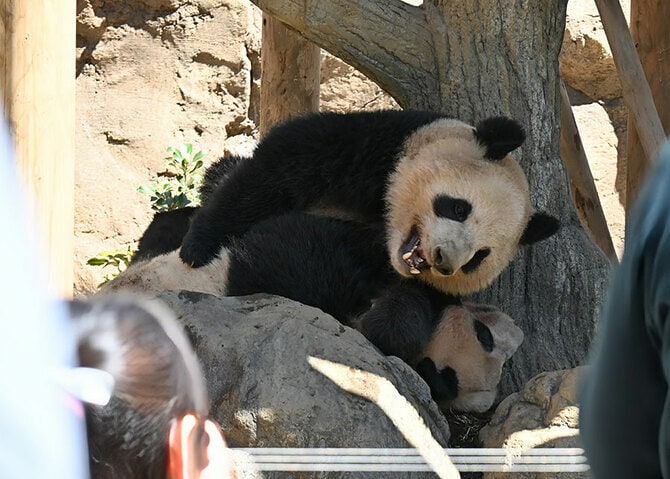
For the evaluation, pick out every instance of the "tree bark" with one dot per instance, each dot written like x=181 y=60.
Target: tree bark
x=290 y=76
x=648 y=25
x=472 y=60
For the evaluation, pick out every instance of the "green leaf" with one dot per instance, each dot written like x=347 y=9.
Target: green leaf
x=96 y=261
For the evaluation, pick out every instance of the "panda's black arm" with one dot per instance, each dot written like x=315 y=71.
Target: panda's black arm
x=165 y=233
x=401 y=321
x=251 y=193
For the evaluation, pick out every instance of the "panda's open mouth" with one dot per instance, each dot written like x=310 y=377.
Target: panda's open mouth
x=412 y=254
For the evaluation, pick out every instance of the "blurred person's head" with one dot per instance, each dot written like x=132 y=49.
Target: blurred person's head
x=157 y=383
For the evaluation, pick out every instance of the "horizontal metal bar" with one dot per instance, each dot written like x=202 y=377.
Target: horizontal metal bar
x=330 y=467
x=372 y=459
x=409 y=460
x=409 y=451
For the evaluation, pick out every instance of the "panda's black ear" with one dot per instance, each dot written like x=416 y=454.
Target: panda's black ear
x=443 y=384
x=499 y=135
x=540 y=226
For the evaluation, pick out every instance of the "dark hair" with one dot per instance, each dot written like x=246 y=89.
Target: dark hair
x=157 y=379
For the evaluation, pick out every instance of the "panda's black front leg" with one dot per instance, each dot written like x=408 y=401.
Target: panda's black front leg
x=247 y=196
x=401 y=321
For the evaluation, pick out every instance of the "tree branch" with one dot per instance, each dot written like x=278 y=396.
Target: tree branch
x=360 y=32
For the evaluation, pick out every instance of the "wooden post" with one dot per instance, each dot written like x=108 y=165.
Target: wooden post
x=636 y=92
x=650 y=32
x=290 y=74
x=584 y=192
x=37 y=75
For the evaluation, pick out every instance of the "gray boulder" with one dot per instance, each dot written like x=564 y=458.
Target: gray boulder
x=265 y=394
x=543 y=415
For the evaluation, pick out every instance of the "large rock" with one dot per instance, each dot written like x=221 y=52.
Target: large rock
x=544 y=414
x=264 y=393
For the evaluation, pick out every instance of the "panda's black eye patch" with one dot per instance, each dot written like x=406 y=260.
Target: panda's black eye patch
x=443 y=384
x=476 y=260
x=484 y=336
x=455 y=209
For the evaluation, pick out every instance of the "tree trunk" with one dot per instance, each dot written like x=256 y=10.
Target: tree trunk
x=37 y=69
x=290 y=76
x=648 y=24
x=472 y=60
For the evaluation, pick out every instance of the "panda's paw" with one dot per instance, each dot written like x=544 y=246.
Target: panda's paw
x=196 y=253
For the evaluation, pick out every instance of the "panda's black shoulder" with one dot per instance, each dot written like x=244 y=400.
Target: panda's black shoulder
x=381 y=119
x=217 y=173
x=360 y=131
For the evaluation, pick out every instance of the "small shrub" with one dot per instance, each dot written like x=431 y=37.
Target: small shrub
x=182 y=180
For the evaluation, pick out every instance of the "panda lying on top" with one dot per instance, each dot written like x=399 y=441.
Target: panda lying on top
x=325 y=262
x=452 y=205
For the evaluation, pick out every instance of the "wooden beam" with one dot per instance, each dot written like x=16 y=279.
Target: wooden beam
x=636 y=92
x=37 y=75
x=290 y=74
x=650 y=32
x=584 y=192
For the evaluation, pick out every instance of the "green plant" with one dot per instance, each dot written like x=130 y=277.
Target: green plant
x=119 y=259
x=177 y=188
x=181 y=181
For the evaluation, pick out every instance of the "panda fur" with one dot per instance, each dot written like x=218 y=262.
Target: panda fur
x=325 y=263
x=168 y=228
x=165 y=233
x=339 y=266
x=454 y=204
x=462 y=363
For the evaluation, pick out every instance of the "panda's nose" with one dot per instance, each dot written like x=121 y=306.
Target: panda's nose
x=441 y=262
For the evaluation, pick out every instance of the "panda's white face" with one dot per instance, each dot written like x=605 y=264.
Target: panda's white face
x=473 y=341
x=454 y=217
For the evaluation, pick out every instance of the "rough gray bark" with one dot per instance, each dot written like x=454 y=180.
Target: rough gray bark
x=472 y=60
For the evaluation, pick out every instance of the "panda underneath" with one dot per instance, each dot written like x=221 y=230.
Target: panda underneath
x=452 y=204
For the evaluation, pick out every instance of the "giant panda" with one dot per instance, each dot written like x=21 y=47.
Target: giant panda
x=451 y=204
x=341 y=267
x=455 y=205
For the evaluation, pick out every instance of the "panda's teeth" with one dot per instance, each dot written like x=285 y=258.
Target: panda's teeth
x=413 y=270
x=407 y=255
